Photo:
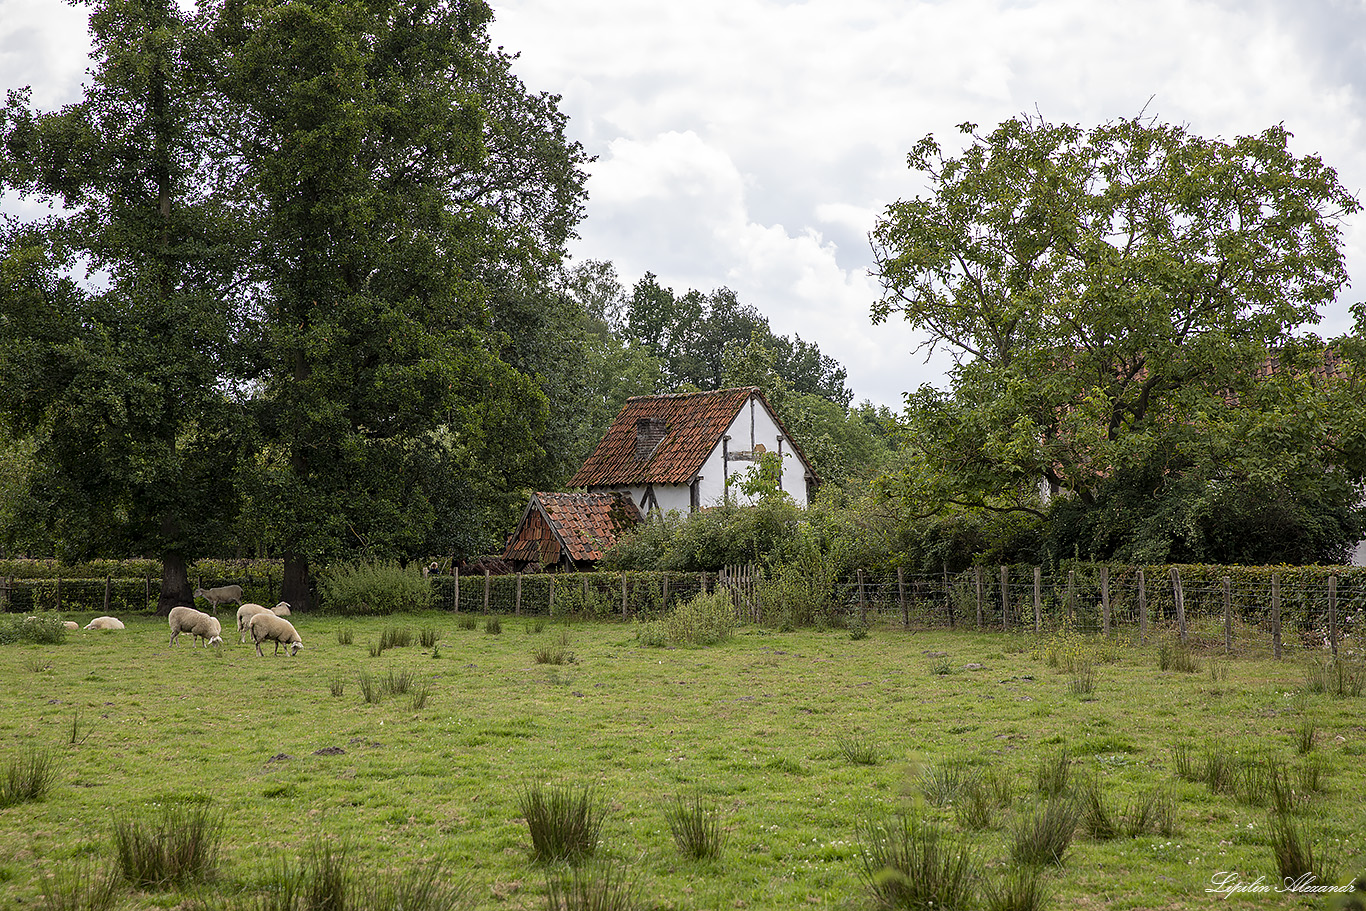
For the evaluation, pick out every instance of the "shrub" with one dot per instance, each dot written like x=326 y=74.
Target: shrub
x=373 y=588
x=704 y=619
x=467 y=621
x=696 y=827
x=39 y=630
x=176 y=846
x=493 y=626
x=909 y=863
x=27 y=779
x=564 y=822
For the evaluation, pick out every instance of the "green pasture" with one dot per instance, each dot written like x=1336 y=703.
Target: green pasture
x=290 y=752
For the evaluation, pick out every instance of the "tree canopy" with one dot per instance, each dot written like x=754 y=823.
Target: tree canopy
x=1111 y=297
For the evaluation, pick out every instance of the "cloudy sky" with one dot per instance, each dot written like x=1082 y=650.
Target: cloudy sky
x=752 y=144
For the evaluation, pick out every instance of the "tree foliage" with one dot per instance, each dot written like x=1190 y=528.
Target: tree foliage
x=1111 y=296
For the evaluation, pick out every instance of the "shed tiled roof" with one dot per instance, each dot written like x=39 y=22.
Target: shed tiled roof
x=582 y=526
x=694 y=423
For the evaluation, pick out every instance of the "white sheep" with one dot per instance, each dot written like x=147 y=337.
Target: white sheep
x=70 y=624
x=189 y=620
x=281 y=609
x=267 y=626
x=105 y=623
x=244 y=615
x=217 y=597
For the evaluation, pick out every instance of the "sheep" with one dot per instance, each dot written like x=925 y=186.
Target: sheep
x=217 y=597
x=105 y=623
x=281 y=609
x=244 y=615
x=267 y=626
x=70 y=624
x=189 y=620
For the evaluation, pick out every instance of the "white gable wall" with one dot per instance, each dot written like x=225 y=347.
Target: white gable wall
x=754 y=426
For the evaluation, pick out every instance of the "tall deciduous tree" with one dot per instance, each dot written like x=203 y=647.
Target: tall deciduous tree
x=400 y=172
x=1110 y=295
x=113 y=330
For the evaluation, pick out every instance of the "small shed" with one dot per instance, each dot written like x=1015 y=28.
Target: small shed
x=569 y=531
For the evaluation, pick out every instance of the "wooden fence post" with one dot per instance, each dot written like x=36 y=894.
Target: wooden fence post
x=623 y=595
x=486 y=591
x=862 y=598
x=948 y=595
x=550 y=607
x=1038 y=599
x=106 y=594
x=1142 y=607
x=665 y=585
x=977 y=575
x=456 y=570
x=901 y=596
x=1072 y=597
x=1005 y=598
x=517 y=599
x=1228 y=616
x=704 y=583
x=1276 y=614
x=1333 y=614
x=1105 y=601
x=1179 y=598
x=59 y=592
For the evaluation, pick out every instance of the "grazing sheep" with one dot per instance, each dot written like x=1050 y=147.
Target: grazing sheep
x=281 y=609
x=217 y=597
x=267 y=626
x=189 y=620
x=105 y=623
x=244 y=615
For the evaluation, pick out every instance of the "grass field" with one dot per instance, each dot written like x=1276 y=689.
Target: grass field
x=795 y=740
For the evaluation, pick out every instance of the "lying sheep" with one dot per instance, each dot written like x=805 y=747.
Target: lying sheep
x=244 y=615
x=224 y=594
x=105 y=623
x=267 y=626
x=189 y=620
x=281 y=609
x=70 y=624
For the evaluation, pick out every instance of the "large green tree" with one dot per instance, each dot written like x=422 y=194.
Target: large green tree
x=402 y=176
x=114 y=334
x=1111 y=296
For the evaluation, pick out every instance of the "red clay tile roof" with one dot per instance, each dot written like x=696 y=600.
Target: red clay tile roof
x=694 y=423
x=582 y=526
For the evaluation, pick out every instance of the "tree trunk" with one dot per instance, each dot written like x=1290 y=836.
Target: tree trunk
x=175 y=583
x=295 y=586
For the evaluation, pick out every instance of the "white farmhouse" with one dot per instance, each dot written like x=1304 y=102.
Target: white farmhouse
x=686 y=451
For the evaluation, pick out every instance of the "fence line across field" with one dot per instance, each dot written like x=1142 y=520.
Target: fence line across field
x=1275 y=610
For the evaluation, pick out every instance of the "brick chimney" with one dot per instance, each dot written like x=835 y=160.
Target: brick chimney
x=649 y=433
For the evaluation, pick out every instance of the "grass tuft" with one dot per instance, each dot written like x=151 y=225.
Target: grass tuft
x=345 y=636
x=1052 y=776
x=1174 y=655
x=857 y=748
x=1294 y=852
x=564 y=821
x=1018 y=889
x=596 y=887
x=427 y=637
x=942 y=784
x=1341 y=677
x=1044 y=835
x=467 y=621
x=28 y=778
x=79 y=886
x=176 y=845
x=695 y=824
x=909 y=863
x=493 y=626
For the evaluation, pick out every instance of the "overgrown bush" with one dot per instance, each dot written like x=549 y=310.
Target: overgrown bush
x=39 y=630
x=370 y=588
x=704 y=619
